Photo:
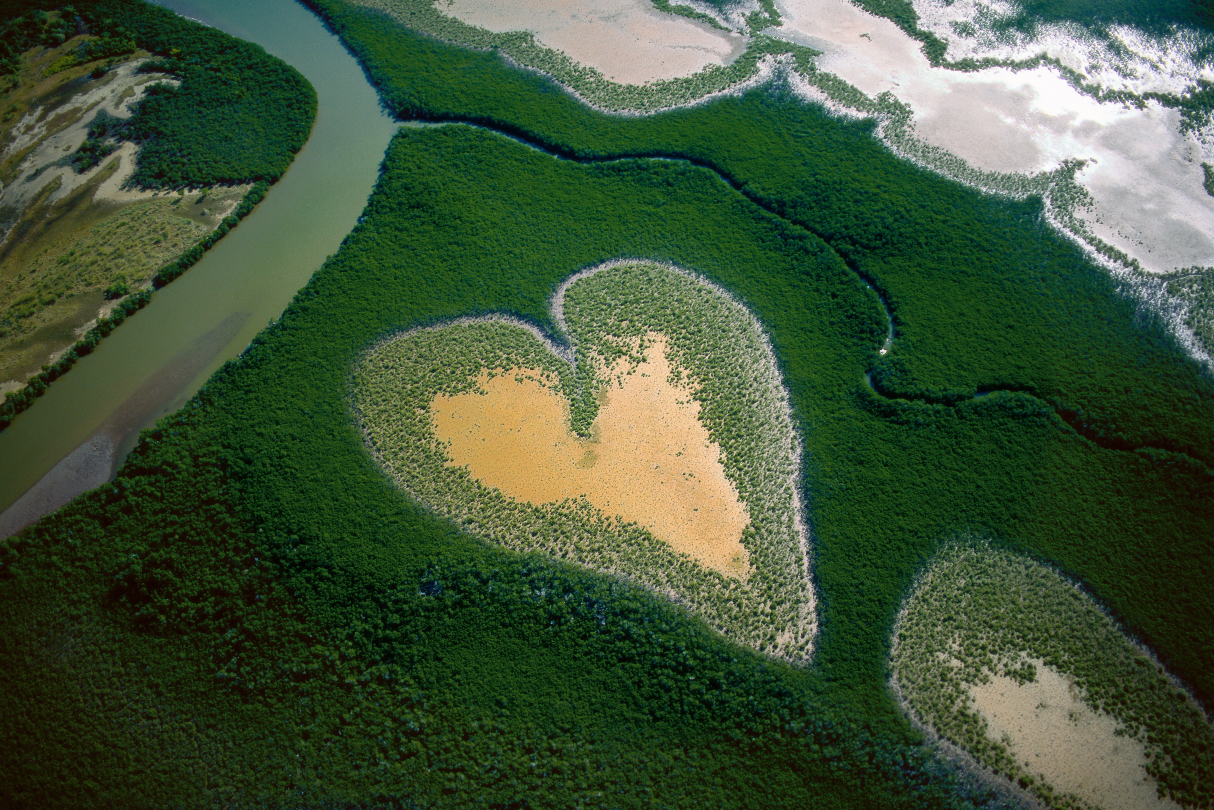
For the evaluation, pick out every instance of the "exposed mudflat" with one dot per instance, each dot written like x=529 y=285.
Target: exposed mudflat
x=1145 y=176
x=649 y=460
x=629 y=41
x=1076 y=749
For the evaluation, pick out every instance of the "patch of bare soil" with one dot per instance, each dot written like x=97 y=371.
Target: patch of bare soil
x=1074 y=748
x=628 y=41
x=648 y=461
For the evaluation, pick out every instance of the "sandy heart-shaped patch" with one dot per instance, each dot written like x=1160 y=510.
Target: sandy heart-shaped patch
x=657 y=445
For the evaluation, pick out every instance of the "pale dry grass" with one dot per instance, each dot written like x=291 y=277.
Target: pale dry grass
x=649 y=459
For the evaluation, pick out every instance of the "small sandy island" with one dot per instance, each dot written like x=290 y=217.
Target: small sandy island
x=649 y=460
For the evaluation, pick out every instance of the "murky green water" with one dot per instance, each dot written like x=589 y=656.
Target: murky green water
x=156 y=360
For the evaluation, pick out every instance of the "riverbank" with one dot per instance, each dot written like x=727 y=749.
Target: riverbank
x=255 y=269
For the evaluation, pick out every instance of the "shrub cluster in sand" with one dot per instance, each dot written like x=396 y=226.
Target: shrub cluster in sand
x=712 y=404
x=1006 y=659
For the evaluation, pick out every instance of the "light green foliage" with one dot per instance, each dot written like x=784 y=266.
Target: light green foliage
x=1194 y=288
x=979 y=611
x=711 y=338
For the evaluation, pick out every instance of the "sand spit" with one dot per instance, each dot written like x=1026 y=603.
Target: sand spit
x=94 y=462
x=666 y=385
x=1046 y=724
x=628 y=41
x=87 y=467
x=649 y=459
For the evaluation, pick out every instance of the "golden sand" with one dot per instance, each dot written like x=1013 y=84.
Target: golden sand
x=649 y=459
x=1056 y=735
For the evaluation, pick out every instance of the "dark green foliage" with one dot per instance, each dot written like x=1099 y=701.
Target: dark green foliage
x=117 y=290
x=26 y=28
x=690 y=13
x=405 y=662
x=238 y=116
x=91 y=153
x=428 y=650
x=983 y=297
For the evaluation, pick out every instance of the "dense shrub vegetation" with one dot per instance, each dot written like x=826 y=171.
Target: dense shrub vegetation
x=291 y=629
x=238 y=115
x=26 y=28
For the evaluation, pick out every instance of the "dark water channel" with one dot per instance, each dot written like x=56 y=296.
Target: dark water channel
x=87 y=422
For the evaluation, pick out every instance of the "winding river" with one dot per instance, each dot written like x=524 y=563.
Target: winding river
x=75 y=436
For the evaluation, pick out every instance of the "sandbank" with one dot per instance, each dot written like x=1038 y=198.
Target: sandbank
x=87 y=467
x=650 y=460
x=44 y=145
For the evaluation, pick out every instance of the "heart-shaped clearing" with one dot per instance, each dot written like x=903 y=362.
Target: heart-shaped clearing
x=659 y=447
x=648 y=460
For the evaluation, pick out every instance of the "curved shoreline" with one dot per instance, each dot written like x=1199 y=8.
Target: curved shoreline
x=1057 y=183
